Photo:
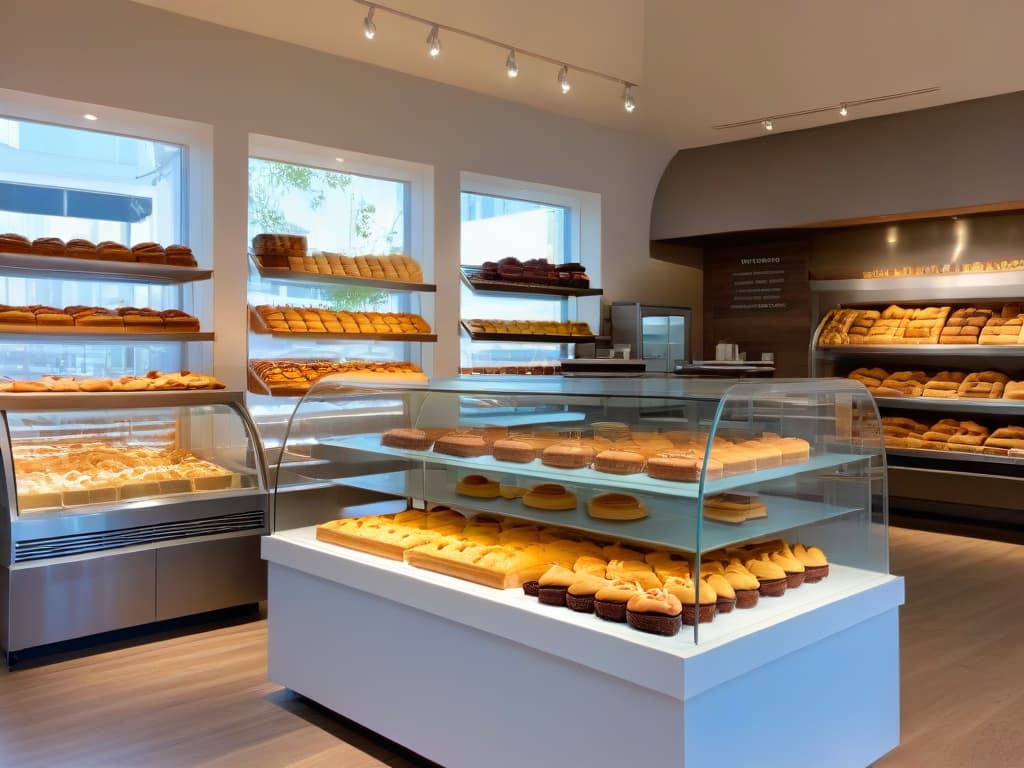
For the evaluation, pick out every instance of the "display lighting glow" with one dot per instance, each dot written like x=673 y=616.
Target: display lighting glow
x=511 y=65
x=369 y=28
x=563 y=79
x=627 y=98
x=90 y=116
x=434 y=41
x=843 y=111
x=769 y=125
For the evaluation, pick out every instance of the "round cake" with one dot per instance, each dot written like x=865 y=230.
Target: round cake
x=619 y=462
x=518 y=451
x=678 y=467
x=616 y=506
x=550 y=497
x=478 y=486
x=460 y=444
x=408 y=438
x=567 y=456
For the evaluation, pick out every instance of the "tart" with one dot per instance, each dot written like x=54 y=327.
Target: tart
x=554 y=583
x=655 y=611
x=814 y=561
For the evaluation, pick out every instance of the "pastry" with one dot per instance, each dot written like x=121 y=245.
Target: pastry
x=681 y=467
x=553 y=585
x=610 y=602
x=744 y=584
x=478 y=486
x=510 y=449
x=795 y=572
x=149 y=253
x=567 y=456
x=595 y=566
x=619 y=462
x=176 y=320
x=699 y=602
x=794 y=450
x=1014 y=390
x=47 y=246
x=580 y=594
x=616 y=506
x=550 y=497
x=80 y=249
x=108 y=250
x=14 y=243
x=814 y=560
x=984 y=385
x=461 y=444
x=734 y=507
x=726 y=595
x=180 y=256
x=408 y=438
x=655 y=611
x=636 y=571
x=770 y=576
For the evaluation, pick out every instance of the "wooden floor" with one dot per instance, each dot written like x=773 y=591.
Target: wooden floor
x=201 y=698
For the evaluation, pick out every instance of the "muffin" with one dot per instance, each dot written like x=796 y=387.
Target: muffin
x=770 y=576
x=655 y=611
x=610 y=601
x=723 y=589
x=699 y=602
x=744 y=584
x=554 y=584
x=794 y=569
x=814 y=561
x=580 y=595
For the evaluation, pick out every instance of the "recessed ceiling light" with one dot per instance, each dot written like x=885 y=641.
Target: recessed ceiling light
x=340 y=159
x=90 y=116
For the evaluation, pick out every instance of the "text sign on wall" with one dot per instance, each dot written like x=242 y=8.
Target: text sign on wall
x=759 y=284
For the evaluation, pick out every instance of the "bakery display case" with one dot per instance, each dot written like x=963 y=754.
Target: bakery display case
x=720 y=526
x=948 y=379
x=124 y=508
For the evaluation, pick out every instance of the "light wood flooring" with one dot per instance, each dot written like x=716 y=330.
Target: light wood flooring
x=201 y=698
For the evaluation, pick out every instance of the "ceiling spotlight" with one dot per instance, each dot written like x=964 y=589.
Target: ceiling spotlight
x=511 y=65
x=340 y=159
x=434 y=41
x=768 y=125
x=563 y=79
x=843 y=111
x=90 y=116
x=369 y=28
x=627 y=98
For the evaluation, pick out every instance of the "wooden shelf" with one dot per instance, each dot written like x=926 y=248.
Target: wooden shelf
x=470 y=277
x=288 y=276
x=33 y=265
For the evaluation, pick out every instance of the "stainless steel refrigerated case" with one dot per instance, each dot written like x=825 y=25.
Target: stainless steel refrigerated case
x=124 y=509
x=660 y=335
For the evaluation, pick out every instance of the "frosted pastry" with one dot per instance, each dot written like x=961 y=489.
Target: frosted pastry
x=655 y=611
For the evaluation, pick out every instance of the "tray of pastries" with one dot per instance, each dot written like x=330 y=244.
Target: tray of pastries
x=290 y=378
x=533 y=274
x=949 y=434
x=290 y=253
x=176 y=255
x=154 y=381
x=266 y=318
x=947 y=385
x=38 y=318
x=990 y=265
x=1002 y=325
x=69 y=474
x=528 y=330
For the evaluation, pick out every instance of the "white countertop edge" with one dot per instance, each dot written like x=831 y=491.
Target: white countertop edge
x=732 y=645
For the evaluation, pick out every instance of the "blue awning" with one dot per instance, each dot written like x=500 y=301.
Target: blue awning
x=58 y=201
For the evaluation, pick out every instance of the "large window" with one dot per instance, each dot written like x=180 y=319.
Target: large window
x=494 y=228
x=57 y=181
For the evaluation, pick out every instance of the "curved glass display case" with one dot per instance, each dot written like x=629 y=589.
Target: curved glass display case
x=694 y=474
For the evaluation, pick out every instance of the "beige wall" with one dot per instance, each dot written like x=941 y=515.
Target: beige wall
x=122 y=54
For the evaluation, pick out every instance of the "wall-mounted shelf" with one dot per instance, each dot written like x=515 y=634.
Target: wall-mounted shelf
x=288 y=276
x=536 y=338
x=70 y=335
x=257 y=325
x=946 y=406
x=33 y=265
x=974 y=458
x=471 y=277
x=926 y=350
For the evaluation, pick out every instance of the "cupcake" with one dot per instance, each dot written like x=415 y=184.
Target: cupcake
x=655 y=611
x=772 y=577
x=744 y=584
x=633 y=570
x=723 y=589
x=610 y=601
x=707 y=567
x=794 y=568
x=553 y=584
x=689 y=595
x=814 y=560
x=580 y=595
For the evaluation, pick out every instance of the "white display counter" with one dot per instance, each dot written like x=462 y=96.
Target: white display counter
x=469 y=676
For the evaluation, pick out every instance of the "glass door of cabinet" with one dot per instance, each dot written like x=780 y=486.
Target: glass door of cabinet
x=664 y=341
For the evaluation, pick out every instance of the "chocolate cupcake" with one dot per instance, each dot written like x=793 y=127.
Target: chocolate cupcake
x=744 y=584
x=770 y=576
x=580 y=595
x=531 y=588
x=655 y=611
x=815 y=563
x=723 y=589
x=610 y=602
x=699 y=602
x=794 y=568
x=554 y=584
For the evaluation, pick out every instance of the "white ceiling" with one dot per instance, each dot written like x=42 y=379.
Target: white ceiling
x=698 y=62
